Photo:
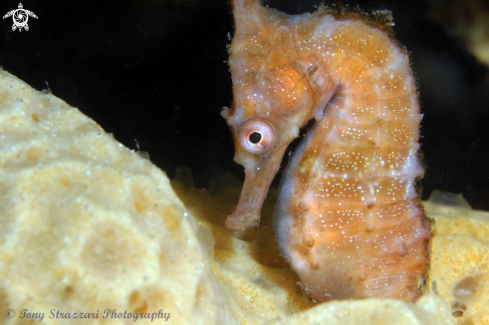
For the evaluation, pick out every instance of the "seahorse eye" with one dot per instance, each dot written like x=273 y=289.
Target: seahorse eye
x=257 y=135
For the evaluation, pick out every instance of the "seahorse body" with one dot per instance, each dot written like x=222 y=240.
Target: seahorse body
x=347 y=218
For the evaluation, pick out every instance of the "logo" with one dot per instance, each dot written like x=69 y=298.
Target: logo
x=20 y=17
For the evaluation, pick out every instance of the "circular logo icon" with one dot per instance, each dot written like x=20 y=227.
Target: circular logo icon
x=20 y=17
x=10 y=313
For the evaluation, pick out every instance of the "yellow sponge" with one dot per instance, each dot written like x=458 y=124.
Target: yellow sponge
x=88 y=226
x=460 y=257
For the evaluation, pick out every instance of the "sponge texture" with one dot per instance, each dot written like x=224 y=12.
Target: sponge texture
x=89 y=226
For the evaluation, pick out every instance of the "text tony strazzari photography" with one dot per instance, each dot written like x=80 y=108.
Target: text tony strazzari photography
x=107 y=313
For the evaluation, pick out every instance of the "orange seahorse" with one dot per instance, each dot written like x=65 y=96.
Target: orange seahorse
x=348 y=217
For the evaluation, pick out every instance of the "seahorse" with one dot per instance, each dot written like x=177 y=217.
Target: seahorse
x=348 y=218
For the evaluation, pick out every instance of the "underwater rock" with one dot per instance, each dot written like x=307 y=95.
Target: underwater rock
x=89 y=226
x=429 y=309
x=468 y=21
x=459 y=257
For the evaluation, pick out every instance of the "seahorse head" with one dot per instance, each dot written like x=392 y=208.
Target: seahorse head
x=274 y=96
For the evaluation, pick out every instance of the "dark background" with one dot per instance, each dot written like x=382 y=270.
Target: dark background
x=154 y=71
